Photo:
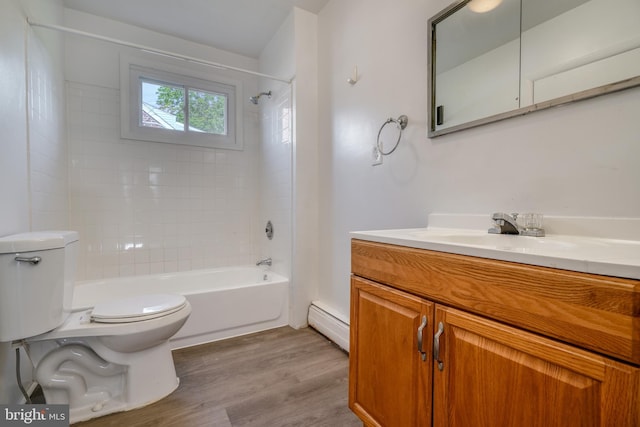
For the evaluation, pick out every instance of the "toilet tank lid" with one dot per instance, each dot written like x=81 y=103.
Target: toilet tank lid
x=36 y=241
x=69 y=236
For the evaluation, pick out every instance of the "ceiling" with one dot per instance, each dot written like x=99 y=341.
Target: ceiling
x=240 y=26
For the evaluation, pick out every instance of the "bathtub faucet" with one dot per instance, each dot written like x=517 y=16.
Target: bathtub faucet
x=266 y=261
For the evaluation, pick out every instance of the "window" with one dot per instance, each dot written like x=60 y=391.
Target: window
x=162 y=106
x=165 y=106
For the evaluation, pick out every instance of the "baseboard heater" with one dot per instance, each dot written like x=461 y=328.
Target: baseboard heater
x=329 y=324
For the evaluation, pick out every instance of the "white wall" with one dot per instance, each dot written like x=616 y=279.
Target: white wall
x=306 y=224
x=580 y=159
x=33 y=195
x=144 y=207
x=47 y=129
x=14 y=217
x=293 y=52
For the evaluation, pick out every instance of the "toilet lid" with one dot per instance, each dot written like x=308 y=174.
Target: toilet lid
x=138 y=308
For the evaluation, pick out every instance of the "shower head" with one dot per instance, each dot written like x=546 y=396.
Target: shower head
x=254 y=99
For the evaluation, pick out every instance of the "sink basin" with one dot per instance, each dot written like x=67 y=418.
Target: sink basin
x=578 y=247
x=506 y=242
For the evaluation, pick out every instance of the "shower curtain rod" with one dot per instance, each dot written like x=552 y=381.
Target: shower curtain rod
x=156 y=51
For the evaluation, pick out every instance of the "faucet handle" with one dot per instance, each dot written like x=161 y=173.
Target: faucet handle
x=532 y=223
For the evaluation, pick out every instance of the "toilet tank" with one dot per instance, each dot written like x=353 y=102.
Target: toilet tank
x=32 y=283
x=70 y=266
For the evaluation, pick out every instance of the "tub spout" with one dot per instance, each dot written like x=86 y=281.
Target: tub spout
x=266 y=261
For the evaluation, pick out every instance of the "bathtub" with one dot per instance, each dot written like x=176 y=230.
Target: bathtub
x=225 y=302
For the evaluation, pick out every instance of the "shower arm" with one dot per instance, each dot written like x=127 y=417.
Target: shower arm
x=254 y=99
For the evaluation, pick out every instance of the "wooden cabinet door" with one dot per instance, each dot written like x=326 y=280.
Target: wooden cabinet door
x=389 y=379
x=498 y=376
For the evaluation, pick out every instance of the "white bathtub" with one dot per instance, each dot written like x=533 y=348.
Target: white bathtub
x=225 y=302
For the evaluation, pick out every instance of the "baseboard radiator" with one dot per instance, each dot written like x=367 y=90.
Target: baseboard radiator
x=329 y=323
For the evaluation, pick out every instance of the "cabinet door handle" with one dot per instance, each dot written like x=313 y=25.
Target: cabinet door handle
x=420 y=329
x=436 y=346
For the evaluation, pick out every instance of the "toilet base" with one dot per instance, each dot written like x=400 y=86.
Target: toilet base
x=95 y=380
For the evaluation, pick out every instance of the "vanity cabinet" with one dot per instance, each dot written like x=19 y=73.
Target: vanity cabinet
x=504 y=344
x=390 y=378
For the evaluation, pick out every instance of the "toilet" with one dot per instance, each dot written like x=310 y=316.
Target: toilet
x=112 y=357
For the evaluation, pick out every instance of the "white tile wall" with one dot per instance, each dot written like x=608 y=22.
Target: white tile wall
x=144 y=207
x=275 y=190
x=47 y=139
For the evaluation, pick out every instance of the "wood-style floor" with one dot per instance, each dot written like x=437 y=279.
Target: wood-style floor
x=282 y=377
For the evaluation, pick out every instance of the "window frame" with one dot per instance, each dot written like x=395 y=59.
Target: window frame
x=133 y=68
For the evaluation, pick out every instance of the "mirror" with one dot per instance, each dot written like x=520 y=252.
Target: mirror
x=494 y=59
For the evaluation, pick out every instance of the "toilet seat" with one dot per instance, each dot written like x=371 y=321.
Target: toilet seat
x=137 y=308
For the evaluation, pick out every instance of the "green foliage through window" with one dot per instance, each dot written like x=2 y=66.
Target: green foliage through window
x=207 y=111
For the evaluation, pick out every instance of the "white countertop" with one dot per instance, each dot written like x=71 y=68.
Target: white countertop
x=597 y=255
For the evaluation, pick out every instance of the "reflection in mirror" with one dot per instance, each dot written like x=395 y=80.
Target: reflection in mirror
x=516 y=56
x=477 y=63
x=571 y=46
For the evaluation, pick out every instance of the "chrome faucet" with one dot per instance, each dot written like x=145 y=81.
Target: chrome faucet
x=508 y=224
x=266 y=261
x=504 y=223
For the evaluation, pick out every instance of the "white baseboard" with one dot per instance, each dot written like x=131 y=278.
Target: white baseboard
x=329 y=325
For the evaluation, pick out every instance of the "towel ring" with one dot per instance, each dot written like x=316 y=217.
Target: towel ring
x=401 y=123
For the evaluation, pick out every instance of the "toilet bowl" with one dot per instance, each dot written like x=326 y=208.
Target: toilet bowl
x=99 y=366
x=112 y=357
